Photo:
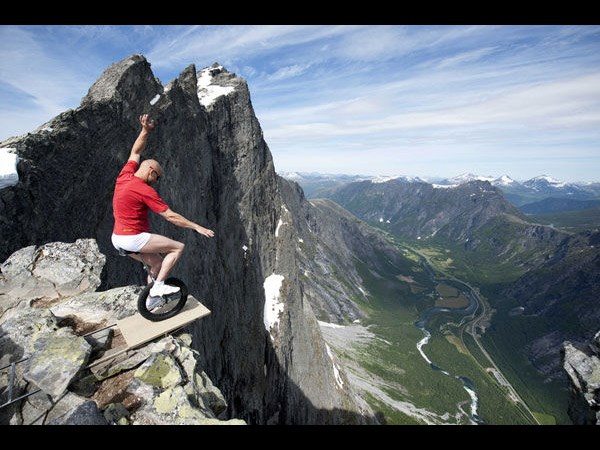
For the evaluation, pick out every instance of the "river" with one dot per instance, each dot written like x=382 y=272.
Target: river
x=421 y=324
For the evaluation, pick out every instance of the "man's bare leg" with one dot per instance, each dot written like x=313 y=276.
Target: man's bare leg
x=153 y=260
x=172 y=249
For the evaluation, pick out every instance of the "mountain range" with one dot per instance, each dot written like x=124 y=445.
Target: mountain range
x=518 y=192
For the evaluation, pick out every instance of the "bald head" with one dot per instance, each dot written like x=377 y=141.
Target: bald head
x=150 y=171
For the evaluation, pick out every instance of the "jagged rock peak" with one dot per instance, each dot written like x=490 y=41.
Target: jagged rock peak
x=121 y=79
x=214 y=82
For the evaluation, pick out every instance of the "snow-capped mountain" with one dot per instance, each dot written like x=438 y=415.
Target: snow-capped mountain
x=463 y=178
x=407 y=179
x=504 y=180
x=544 y=183
x=466 y=177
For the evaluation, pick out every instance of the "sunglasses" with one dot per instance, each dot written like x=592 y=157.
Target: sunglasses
x=158 y=175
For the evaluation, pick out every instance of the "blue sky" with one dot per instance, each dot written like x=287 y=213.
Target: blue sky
x=374 y=100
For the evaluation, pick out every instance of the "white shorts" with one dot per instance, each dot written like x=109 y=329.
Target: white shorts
x=130 y=243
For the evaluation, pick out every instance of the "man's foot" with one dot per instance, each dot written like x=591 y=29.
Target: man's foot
x=162 y=289
x=154 y=302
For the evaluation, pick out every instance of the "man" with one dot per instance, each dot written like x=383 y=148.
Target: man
x=132 y=199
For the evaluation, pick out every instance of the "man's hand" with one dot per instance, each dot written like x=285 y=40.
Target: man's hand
x=140 y=143
x=146 y=122
x=205 y=231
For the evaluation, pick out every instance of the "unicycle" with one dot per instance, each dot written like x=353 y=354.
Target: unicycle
x=169 y=306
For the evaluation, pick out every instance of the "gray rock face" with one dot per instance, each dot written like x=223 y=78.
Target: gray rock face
x=330 y=243
x=583 y=369
x=56 y=357
x=218 y=172
x=33 y=273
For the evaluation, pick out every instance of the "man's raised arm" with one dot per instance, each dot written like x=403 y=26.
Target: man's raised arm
x=140 y=143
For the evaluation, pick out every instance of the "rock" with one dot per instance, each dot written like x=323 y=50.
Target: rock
x=221 y=422
x=97 y=309
x=114 y=413
x=101 y=340
x=68 y=409
x=58 y=355
x=56 y=359
x=584 y=375
x=85 y=414
x=20 y=328
x=211 y=396
x=160 y=370
x=595 y=344
x=47 y=273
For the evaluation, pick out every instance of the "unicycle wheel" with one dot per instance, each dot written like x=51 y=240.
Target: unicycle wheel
x=171 y=306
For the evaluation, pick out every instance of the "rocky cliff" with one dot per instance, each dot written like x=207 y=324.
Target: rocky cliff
x=60 y=334
x=582 y=365
x=331 y=242
x=261 y=345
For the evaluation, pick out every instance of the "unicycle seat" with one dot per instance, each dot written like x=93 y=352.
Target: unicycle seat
x=124 y=252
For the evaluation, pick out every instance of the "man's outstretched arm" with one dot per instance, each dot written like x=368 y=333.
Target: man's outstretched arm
x=181 y=221
x=140 y=143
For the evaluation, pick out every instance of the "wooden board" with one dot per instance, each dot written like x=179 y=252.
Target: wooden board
x=136 y=330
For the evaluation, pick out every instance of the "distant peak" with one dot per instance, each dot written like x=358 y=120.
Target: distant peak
x=546 y=178
x=386 y=178
x=504 y=180
x=466 y=177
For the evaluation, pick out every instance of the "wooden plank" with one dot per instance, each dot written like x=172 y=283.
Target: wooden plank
x=136 y=330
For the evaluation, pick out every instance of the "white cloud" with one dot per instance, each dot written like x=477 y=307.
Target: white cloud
x=288 y=72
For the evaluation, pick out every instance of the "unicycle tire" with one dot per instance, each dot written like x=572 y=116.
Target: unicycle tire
x=172 y=308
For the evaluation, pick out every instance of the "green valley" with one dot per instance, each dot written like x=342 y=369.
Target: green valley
x=402 y=385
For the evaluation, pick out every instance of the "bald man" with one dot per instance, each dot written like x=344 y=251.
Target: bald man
x=133 y=199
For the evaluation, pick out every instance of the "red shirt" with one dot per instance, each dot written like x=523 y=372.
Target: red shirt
x=132 y=199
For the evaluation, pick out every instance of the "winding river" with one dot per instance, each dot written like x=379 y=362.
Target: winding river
x=421 y=324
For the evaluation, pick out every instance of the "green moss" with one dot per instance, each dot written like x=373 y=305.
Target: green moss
x=160 y=370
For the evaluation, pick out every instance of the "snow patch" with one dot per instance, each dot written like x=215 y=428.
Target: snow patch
x=8 y=167
x=273 y=307
x=48 y=129
x=383 y=179
x=336 y=371
x=301 y=240
x=278 y=226
x=444 y=186
x=330 y=325
x=208 y=93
